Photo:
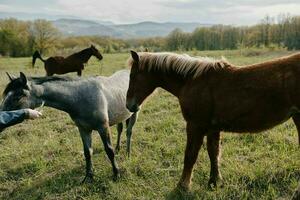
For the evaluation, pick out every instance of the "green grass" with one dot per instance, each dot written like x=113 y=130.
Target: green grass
x=43 y=159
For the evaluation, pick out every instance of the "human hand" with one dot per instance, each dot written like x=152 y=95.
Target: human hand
x=32 y=114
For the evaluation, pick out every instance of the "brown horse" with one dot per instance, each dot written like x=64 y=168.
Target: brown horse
x=72 y=63
x=217 y=96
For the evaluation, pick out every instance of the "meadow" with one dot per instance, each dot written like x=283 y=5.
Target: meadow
x=43 y=159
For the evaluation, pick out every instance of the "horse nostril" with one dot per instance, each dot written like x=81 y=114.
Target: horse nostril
x=128 y=107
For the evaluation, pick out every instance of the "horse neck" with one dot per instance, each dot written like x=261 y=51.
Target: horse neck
x=171 y=82
x=84 y=55
x=53 y=95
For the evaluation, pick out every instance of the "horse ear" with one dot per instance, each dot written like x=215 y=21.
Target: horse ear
x=23 y=78
x=134 y=56
x=11 y=77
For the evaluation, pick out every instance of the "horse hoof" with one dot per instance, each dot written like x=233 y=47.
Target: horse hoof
x=183 y=187
x=116 y=176
x=213 y=182
x=87 y=179
x=211 y=185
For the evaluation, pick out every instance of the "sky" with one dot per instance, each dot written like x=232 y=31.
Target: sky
x=233 y=12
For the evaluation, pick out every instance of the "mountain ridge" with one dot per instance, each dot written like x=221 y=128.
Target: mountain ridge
x=73 y=26
x=143 y=29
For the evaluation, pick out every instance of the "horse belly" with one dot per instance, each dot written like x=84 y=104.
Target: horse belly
x=252 y=122
x=255 y=117
x=117 y=111
x=118 y=115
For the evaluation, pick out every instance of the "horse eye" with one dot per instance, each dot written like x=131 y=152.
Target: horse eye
x=21 y=95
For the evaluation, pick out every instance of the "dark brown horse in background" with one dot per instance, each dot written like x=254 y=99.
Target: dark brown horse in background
x=72 y=63
x=216 y=96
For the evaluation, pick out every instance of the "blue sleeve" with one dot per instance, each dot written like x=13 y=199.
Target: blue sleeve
x=10 y=118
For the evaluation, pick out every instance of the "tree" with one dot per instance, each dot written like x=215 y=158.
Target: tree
x=178 y=40
x=44 y=35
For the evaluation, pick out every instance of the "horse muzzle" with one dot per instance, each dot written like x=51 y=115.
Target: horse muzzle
x=132 y=107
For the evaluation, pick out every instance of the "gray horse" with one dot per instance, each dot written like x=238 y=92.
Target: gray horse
x=94 y=103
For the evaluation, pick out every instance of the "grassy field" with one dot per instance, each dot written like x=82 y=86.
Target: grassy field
x=43 y=159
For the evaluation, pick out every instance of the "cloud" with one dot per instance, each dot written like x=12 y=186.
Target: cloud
x=228 y=12
x=119 y=11
x=203 y=4
x=130 y=11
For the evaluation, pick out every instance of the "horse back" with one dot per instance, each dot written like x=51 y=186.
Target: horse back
x=56 y=59
x=61 y=65
x=244 y=99
x=114 y=89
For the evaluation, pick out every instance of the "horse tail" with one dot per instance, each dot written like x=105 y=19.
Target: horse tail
x=35 y=56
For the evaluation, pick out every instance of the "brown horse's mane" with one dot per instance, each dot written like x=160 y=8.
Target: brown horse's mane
x=186 y=65
x=182 y=64
x=83 y=55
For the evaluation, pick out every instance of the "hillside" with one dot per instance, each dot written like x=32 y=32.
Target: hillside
x=138 y=30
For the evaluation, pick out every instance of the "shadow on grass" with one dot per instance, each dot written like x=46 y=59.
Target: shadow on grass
x=279 y=180
x=178 y=194
x=60 y=183
x=268 y=185
x=56 y=184
x=19 y=173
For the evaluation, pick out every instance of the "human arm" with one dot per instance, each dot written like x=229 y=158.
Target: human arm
x=10 y=118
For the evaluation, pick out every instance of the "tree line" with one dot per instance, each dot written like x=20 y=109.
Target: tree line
x=22 y=38
x=283 y=32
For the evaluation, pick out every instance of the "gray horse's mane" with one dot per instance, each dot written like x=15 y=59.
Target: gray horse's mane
x=17 y=83
x=41 y=80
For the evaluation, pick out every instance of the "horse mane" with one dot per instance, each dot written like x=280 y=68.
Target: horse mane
x=17 y=83
x=12 y=85
x=83 y=54
x=183 y=64
x=41 y=80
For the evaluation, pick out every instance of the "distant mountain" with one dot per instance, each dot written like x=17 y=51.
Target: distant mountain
x=69 y=25
x=149 y=29
x=85 y=27
x=139 y=30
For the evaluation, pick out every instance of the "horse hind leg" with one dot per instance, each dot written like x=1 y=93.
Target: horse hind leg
x=213 y=148
x=105 y=135
x=130 y=125
x=87 y=148
x=195 y=137
x=296 y=119
x=49 y=73
x=119 y=130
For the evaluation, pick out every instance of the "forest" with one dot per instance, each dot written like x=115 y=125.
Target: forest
x=21 y=38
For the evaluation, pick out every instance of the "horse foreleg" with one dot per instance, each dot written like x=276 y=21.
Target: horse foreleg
x=104 y=132
x=88 y=151
x=195 y=137
x=130 y=125
x=213 y=148
x=79 y=72
x=119 y=129
x=296 y=119
x=49 y=73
